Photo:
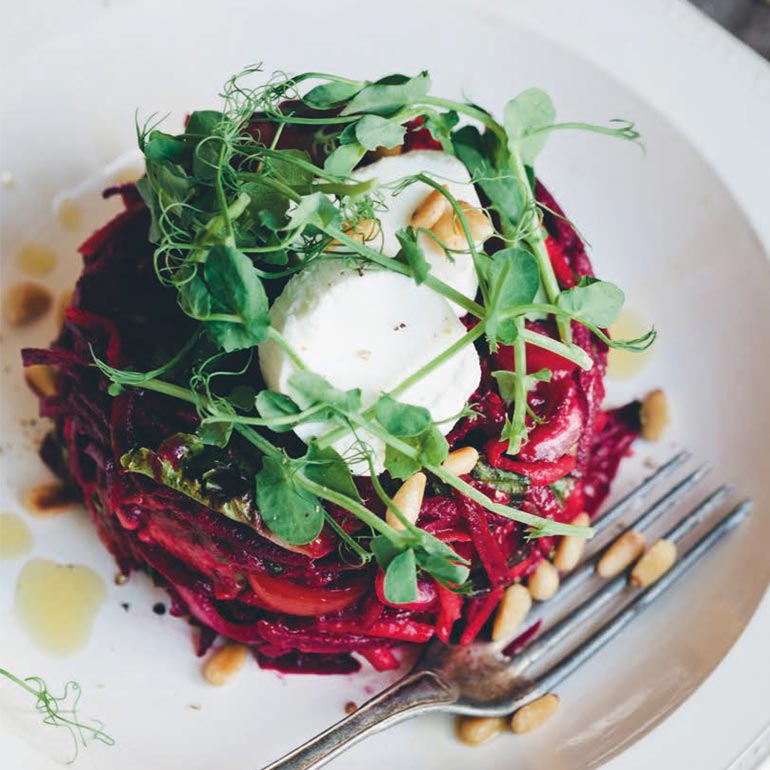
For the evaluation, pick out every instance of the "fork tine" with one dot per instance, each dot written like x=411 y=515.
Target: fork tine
x=617 y=622
x=563 y=628
x=663 y=504
x=621 y=507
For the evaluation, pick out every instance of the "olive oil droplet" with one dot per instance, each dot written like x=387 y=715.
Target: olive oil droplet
x=15 y=537
x=56 y=603
x=625 y=364
x=35 y=259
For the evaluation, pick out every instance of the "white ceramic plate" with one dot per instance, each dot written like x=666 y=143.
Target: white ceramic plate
x=661 y=224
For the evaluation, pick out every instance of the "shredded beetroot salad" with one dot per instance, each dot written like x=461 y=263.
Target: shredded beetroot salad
x=184 y=509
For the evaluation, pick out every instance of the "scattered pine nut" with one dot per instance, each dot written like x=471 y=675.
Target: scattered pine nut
x=363 y=230
x=432 y=207
x=351 y=707
x=388 y=152
x=120 y=578
x=449 y=231
x=473 y=731
x=511 y=611
x=654 y=415
x=47 y=499
x=571 y=547
x=621 y=554
x=544 y=581
x=42 y=380
x=534 y=714
x=408 y=500
x=26 y=302
x=224 y=664
x=461 y=461
x=657 y=560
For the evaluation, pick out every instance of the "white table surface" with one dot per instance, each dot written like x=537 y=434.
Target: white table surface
x=718 y=93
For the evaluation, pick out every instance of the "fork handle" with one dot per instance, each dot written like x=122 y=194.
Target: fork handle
x=415 y=693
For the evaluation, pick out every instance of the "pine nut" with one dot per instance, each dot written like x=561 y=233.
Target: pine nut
x=571 y=547
x=654 y=415
x=363 y=230
x=657 y=560
x=511 y=611
x=621 y=554
x=408 y=500
x=449 y=231
x=461 y=461
x=224 y=664
x=26 y=302
x=534 y=714
x=41 y=379
x=544 y=581
x=474 y=731
x=430 y=210
x=388 y=152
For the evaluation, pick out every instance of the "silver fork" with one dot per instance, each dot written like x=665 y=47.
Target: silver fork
x=481 y=680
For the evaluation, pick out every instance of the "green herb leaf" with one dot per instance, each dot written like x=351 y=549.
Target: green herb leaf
x=400 y=586
x=485 y=158
x=372 y=132
x=411 y=253
x=237 y=290
x=444 y=569
x=530 y=111
x=271 y=405
x=308 y=389
x=165 y=148
x=327 y=467
x=401 y=419
x=204 y=123
x=432 y=449
x=389 y=95
x=316 y=210
x=513 y=278
x=384 y=550
x=287 y=509
x=344 y=159
x=593 y=301
x=506 y=382
x=332 y=94
x=215 y=432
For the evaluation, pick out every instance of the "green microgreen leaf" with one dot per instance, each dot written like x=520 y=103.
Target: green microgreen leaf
x=400 y=586
x=215 y=432
x=308 y=389
x=388 y=95
x=271 y=405
x=372 y=132
x=401 y=419
x=593 y=301
x=287 y=509
x=316 y=210
x=332 y=94
x=530 y=111
x=513 y=278
x=431 y=447
x=344 y=159
x=237 y=291
x=327 y=467
x=411 y=254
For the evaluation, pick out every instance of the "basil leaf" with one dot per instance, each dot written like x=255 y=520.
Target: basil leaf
x=529 y=111
x=331 y=94
x=372 y=132
x=400 y=586
x=289 y=511
x=389 y=95
x=411 y=254
x=596 y=302
x=327 y=467
x=237 y=290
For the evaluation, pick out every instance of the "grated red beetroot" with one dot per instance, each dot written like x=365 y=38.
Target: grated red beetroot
x=304 y=610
